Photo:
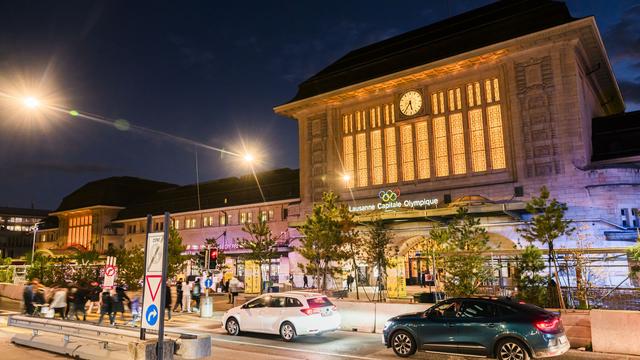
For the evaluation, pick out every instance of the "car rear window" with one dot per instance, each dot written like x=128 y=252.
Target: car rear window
x=319 y=302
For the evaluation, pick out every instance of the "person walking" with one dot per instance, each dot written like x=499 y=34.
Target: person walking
x=234 y=288
x=59 y=301
x=178 y=296
x=27 y=297
x=71 y=298
x=186 y=296
x=167 y=300
x=94 y=297
x=118 y=305
x=106 y=307
x=79 y=302
x=196 y=293
x=349 y=282
x=305 y=281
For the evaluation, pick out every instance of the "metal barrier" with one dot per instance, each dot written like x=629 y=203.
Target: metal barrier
x=185 y=345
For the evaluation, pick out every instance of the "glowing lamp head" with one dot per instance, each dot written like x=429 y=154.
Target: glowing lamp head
x=346 y=178
x=248 y=158
x=31 y=102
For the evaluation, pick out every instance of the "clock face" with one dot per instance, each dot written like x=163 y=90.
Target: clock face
x=410 y=103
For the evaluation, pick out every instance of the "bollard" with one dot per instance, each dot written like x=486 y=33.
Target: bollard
x=206 y=307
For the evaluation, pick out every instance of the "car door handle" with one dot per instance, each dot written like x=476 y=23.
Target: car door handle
x=452 y=324
x=491 y=325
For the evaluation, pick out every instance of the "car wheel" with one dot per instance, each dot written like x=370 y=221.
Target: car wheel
x=403 y=344
x=287 y=331
x=511 y=349
x=232 y=326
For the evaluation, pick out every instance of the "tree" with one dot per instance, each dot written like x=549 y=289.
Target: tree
x=86 y=268
x=376 y=249
x=531 y=285
x=464 y=241
x=175 y=258
x=546 y=225
x=261 y=244
x=130 y=266
x=327 y=232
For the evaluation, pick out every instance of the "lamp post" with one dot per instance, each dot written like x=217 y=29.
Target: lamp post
x=33 y=245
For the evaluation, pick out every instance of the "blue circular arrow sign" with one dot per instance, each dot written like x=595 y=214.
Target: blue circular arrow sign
x=208 y=283
x=152 y=315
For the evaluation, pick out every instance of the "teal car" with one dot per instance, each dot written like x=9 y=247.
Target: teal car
x=497 y=328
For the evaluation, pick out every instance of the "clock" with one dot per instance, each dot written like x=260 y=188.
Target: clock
x=410 y=103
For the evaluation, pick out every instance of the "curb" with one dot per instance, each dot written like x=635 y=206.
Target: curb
x=580 y=354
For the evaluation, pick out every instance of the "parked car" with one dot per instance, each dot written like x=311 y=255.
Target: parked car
x=499 y=328
x=289 y=314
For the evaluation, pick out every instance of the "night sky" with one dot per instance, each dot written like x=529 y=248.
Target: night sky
x=210 y=71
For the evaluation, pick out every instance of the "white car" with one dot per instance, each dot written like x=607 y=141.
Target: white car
x=289 y=314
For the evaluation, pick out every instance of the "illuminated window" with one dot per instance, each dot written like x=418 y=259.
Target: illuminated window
x=391 y=154
x=243 y=217
x=347 y=144
x=376 y=158
x=457 y=144
x=249 y=217
x=437 y=102
x=222 y=219
x=496 y=140
x=406 y=138
x=270 y=215
x=476 y=129
x=79 y=232
x=422 y=150
x=441 y=152
x=263 y=216
x=361 y=160
x=208 y=221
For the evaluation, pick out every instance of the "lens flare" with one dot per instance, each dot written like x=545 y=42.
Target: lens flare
x=31 y=102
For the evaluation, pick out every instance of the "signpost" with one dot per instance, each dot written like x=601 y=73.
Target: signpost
x=155 y=279
x=110 y=272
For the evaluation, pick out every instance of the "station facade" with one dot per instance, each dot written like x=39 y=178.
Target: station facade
x=479 y=111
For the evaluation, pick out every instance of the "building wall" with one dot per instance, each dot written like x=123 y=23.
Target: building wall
x=550 y=96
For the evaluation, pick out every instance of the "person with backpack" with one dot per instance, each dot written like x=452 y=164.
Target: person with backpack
x=106 y=307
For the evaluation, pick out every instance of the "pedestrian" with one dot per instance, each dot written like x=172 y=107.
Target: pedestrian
x=27 y=297
x=71 y=299
x=106 y=307
x=79 y=302
x=291 y=281
x=118 y=305
x=349 y=282
x=234 y=288
x=59 y=302
x=178 y=296
x=136 y=308
x=305 y=281
x=196 y=293
x=186 y=296
x=94 y=297
x=167 y=300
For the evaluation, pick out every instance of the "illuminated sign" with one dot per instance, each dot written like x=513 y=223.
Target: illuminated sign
x=390 y=199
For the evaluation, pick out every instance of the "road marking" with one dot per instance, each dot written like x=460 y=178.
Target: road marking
x=292 y=349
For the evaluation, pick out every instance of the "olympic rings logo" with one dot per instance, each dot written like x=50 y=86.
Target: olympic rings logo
x=389 y=195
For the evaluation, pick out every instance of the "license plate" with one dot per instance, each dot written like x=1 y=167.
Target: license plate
x=563 y=339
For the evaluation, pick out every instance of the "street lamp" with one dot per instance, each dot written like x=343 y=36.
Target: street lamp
x=248 y=158
x=31 y=102
x=346 y=178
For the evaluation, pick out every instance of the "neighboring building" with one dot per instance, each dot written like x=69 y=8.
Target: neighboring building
x=111 y=213
x=479 y=110
x=16 y=230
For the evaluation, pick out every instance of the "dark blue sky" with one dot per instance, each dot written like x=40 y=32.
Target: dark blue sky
x=206 y=70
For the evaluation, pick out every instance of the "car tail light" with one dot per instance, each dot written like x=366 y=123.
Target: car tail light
x=306 y=311
x=547 y=325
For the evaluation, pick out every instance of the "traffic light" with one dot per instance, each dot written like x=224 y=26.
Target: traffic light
x=213 y=257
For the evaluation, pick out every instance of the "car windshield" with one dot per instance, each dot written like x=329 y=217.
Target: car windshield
x=319 y=302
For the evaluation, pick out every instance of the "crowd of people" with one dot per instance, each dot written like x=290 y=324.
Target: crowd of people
x=78 y=300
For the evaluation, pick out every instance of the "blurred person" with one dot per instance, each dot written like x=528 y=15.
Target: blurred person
x=234 y=288
x=186 y=296
x=27 y=296
x=106 y=307
x=59 y=301
x=79 y=302
x=94 y=297
x=179 y=295
x=195 y=293
x=118 y=305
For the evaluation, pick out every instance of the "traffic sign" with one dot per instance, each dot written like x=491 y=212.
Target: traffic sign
x=152 y=306
x=152 y=315
x=208 y=283
x=110 y=271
